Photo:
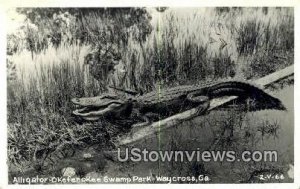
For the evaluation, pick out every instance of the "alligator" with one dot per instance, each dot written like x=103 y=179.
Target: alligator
x=106 y=105
x=169 y=101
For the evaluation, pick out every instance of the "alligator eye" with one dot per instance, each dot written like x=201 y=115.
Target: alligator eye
x=76 y=99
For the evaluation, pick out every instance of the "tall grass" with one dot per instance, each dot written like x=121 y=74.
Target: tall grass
x=52 y=77
x=186 y=46
x=40 y=94
x=189 y=45
x=213 y=49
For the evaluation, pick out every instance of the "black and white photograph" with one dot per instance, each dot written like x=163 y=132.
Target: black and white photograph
x=150 y=95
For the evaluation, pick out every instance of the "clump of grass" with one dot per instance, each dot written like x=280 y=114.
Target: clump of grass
x=266 y=62
x=248 y=37
x=269 y=128
x=265 y=38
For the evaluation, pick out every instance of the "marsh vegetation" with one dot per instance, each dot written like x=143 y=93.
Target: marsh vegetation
x=47 y=66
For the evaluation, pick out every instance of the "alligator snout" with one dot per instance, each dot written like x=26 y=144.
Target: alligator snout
x=94 y=108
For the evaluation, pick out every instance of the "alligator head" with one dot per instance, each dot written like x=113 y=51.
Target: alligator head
x=94 y=108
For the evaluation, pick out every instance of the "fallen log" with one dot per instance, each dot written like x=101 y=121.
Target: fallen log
x=156 y=127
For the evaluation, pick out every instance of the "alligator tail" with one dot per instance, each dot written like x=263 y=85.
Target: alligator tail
x=260 y=99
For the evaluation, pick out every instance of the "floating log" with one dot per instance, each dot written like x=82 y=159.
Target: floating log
x=138 y=134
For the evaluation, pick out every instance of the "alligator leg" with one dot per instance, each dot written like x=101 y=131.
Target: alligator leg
x=145 y=123
x=201 y=109
x=203 y=102
x=147 y=118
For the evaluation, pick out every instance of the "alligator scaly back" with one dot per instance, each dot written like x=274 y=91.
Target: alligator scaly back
x=256 y=96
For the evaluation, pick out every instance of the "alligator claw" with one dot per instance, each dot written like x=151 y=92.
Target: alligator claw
x=202 y=109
